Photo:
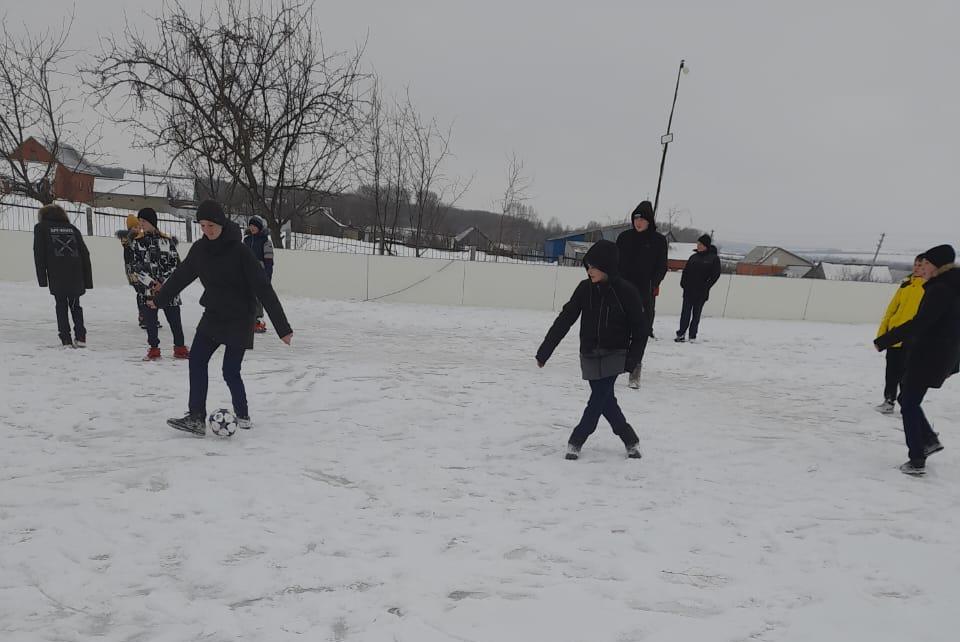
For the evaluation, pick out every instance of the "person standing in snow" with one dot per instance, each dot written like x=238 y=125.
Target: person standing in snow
x=258 y=240
x=932 y=339
x=63 y=264
x=132 y=229
x=151 y=257
x=902 y=308
x=233 y=280
x=643 y=262
x=699 y=275
x=613 y=335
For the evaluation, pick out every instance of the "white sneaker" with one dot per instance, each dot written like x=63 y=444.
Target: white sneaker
x=886 y=408
x=244 y=423
x=80 y=344
x=634 y=382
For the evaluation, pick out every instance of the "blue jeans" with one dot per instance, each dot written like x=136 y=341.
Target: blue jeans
x=200 y=352
x=916 y=428
x=603 y=402
x=690 y=315
x=173 y=319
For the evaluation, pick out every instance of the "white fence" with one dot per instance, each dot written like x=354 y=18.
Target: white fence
x=359 y=277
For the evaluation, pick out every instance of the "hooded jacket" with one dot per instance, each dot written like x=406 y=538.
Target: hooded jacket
x=643 y=257
x=611 y=313
x=149 y=259
x=933 y=336
x=60 y=256
x=903 y=306
x=261 y=245
x=700 y=273
x=232 y=280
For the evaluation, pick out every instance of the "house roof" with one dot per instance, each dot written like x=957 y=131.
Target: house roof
x=854 y=272
x=69 y=157
x=762 y=253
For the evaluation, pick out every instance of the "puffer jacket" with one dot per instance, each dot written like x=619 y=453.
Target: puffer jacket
x=903 y=306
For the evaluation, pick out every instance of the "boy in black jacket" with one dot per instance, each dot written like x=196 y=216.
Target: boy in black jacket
x=613 y=335
x=700 y=274
x=63 y=264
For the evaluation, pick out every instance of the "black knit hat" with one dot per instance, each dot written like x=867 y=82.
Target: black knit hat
x=644 y=210
x=149 y=215
x=940 y=255
x=706 y=240
x=211 y=211
x=604 y=256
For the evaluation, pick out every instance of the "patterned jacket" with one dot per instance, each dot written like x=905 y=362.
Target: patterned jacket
x=149 y=259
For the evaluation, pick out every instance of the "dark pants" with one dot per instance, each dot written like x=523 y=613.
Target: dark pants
x=649 y=304
x=896 y=366
x=65 y=304
x=690 y=315
x=916 y=428
x=173 y=318
x=603 y=402
x=200 y=352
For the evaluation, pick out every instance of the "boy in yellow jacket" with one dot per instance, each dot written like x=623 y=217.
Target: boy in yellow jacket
x=903 y=307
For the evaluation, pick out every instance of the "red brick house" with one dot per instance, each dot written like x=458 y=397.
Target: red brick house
x=73 y=177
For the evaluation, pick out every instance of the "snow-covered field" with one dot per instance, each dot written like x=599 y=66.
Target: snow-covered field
x=405 y=483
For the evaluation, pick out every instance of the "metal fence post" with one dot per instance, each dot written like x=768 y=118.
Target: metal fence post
x=189 y=225
x=89 y=221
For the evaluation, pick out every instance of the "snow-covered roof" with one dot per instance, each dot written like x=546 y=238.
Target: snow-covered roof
x=130 y=186
x=853 y=272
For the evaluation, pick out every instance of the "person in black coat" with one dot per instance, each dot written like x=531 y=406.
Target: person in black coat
x=258 y=240
x=699 y=274
x=63 y=264
x=613 y=336
x=932 y=339
x=643 y=262
x=233 y=281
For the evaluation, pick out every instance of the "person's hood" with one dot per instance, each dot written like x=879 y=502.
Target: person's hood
x=949 y=274
x=604 y=256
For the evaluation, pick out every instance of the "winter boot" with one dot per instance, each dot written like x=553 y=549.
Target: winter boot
x=153 y=354
x=635 y=379
x=193 y=424
x=181 y=352
x=260 y=327
x=573 y=452
x=915 y=468
x=633 y=452
x=886 y=408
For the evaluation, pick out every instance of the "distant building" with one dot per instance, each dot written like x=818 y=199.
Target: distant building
x=136 y=190
x=851 y=272
x=73 y=175
x=771 y=261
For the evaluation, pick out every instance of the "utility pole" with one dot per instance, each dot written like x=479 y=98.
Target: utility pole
x=879 y=245
x=667 y=138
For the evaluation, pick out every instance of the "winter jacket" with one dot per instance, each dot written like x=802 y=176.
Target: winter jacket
x=612 y=317
x=149 y=259
x=262 y=247
x=700 y=273
x=643 y=257
x=933 y=335
x=233 y=281
x=61 y=258
x=903 y=306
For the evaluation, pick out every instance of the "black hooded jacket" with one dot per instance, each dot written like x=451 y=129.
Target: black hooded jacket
x=611 y=313
x=643 y=257
x=61 y=257
x=933 y=336
x=232 y=281
x=700 y=273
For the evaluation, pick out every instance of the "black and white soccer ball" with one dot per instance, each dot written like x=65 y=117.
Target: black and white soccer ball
x=223 y=422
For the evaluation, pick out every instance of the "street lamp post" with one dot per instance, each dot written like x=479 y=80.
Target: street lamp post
x=667 y=138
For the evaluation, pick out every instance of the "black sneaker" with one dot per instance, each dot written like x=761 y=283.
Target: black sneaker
x=913 y=468
x=933 y=447
x=573 y=452
x=680 y=338
x=192 y=424
x=633 y=452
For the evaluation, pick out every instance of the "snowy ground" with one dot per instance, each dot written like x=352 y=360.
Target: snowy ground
x=405 y=483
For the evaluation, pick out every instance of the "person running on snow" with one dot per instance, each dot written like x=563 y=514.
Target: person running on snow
x=151 y=257
x=699 y=275
x=613 y=335
x=63 y=264
x=257 y=239
x=902 y=308
x=932 y=339
x=233 y=280
x=643 y=262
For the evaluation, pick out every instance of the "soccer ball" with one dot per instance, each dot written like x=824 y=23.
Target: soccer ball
x=223 y=423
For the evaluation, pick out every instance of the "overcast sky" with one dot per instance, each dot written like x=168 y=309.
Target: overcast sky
x=816 y=123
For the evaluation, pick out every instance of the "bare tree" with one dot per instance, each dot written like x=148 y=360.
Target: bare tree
x=511 y=206
x=248 y=91
x=36 y=101
x=427 y=150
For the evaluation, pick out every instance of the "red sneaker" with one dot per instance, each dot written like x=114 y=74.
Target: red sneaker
x=152 y=354
x=181 y=352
